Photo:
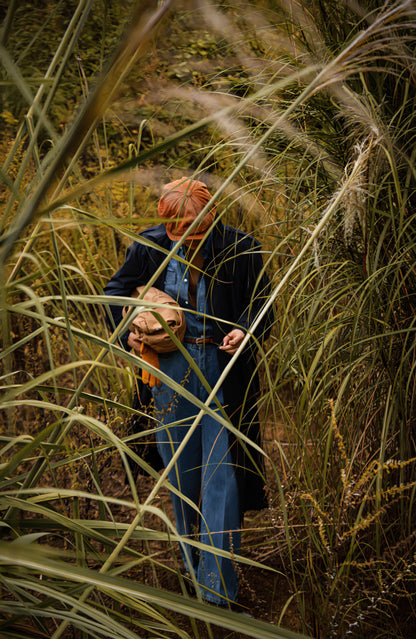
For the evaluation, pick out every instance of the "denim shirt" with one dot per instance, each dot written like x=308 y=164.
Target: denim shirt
x=176 y=285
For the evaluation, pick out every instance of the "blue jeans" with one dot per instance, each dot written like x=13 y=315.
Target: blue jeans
x=204 y=473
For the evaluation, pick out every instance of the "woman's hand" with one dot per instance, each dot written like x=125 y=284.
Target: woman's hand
x=232 y=341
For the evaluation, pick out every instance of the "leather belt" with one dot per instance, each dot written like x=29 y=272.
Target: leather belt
x=199 y=340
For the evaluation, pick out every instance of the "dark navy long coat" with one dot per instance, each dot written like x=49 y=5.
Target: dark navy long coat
x=237 y=289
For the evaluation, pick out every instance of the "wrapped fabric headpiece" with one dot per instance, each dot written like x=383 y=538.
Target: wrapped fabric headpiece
x=181 y=203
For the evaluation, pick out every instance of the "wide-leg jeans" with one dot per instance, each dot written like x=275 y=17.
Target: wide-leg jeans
x=204 y=473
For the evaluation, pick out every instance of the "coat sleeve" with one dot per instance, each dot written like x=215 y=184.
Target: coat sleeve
x=133 y=273
x=254 y=291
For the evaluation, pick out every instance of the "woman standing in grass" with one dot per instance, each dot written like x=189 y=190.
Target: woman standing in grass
x=216 y=274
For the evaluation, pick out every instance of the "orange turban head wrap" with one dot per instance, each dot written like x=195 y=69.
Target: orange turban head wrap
x=181 y=203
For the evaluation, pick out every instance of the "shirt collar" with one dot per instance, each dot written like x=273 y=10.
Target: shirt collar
x=205 y=250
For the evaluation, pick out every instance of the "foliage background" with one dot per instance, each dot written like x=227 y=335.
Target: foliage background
x=300 y=117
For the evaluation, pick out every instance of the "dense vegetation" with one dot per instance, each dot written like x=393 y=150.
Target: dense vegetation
x=299 y=116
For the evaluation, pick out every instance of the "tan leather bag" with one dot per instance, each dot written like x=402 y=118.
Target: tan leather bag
x=146 y=324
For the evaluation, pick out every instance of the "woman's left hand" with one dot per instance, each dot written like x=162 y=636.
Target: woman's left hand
x=232 y=341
